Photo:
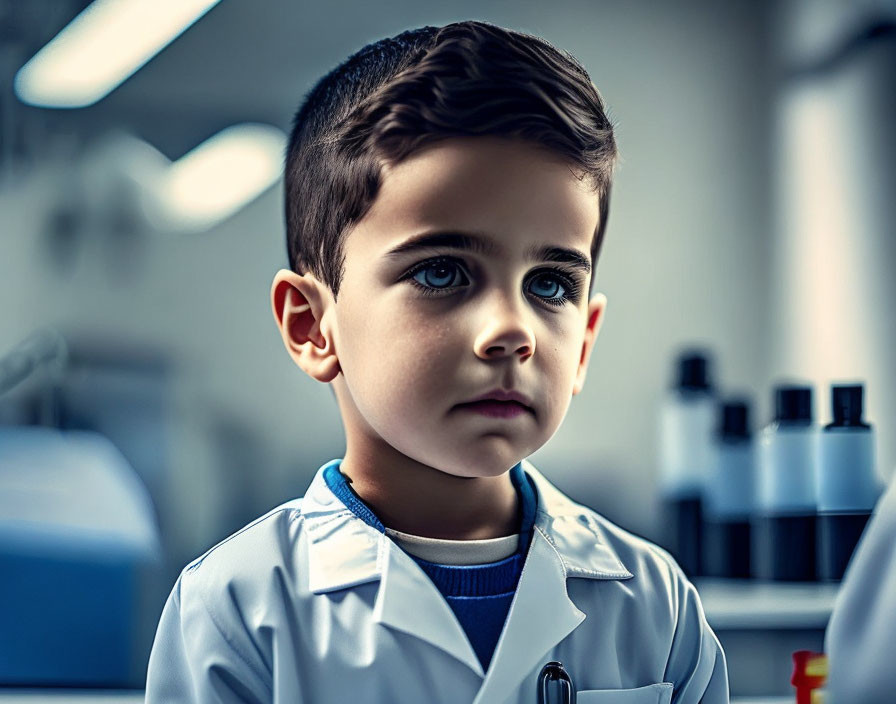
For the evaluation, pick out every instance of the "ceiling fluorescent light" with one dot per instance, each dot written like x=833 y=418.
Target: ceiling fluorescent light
x=101 y=48
x=221 y=175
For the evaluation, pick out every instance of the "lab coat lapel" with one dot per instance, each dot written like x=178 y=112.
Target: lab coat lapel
x=541 y=615
x=408 y=601
x=344 y=552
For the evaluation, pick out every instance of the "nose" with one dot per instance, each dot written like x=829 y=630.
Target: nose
x=506 y=330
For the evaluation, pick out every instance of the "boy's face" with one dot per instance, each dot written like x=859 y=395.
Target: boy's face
x=401 y=361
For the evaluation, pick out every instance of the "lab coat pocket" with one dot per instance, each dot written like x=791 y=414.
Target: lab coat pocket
x=651 y=694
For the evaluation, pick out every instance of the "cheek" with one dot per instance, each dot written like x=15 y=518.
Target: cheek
x=397 y=356
x=562 y=358
x=422 y=361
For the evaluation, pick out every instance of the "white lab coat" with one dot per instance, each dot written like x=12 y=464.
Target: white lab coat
x=861 y=636
x=309 y=604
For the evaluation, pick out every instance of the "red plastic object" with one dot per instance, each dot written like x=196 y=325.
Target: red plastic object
x=810 y=671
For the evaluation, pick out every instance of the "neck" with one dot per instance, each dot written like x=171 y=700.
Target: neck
x=420 y=500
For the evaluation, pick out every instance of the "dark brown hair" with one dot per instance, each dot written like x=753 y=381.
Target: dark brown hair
x=397 y=95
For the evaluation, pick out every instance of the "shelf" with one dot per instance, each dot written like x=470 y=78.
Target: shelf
x=746 y=604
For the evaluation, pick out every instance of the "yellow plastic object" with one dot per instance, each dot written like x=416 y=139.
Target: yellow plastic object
x=817 y=666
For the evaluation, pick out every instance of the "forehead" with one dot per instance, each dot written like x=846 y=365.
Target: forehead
x=503 y=196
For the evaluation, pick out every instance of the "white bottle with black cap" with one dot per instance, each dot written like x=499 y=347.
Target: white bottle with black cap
x=845 y=481
x=729 y=495
x=687 y=414
x=784 y=526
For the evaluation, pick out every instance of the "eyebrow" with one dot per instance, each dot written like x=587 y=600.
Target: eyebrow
x=481 y=244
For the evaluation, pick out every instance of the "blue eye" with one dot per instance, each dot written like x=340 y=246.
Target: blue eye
x=434 y=276
x=442 y=274
x=556 y=283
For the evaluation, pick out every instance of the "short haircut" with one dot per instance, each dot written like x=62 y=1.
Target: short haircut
x=398 y=95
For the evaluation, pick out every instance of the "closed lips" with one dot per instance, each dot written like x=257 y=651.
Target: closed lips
x=498 y=403
x=502 y=396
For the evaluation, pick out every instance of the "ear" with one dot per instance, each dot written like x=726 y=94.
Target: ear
x=596 y=308
x=299 y=303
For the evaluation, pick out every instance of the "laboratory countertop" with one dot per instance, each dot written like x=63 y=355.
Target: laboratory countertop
x=132 y=696
x=746 y=604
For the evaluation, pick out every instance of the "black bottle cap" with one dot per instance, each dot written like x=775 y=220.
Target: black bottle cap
x=693 y=371
x=734 y=418
x=793 y=403
x=846 y=403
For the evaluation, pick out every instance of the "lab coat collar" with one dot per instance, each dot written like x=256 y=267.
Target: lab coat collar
x=337 y=535
x=345 y=551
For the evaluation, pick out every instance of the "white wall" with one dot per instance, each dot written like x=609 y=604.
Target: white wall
x=833 y=248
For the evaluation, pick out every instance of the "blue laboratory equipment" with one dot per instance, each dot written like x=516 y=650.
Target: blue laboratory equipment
x=79 y=545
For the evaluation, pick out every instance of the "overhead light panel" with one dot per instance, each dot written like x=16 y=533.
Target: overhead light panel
x=222 y=175
x=101 y=48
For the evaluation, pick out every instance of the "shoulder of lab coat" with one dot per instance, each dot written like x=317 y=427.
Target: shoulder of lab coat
x=217 y=629
x=205 y=648
x=861 y=634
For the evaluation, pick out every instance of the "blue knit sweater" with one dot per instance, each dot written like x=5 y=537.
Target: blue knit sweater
x=479 y=595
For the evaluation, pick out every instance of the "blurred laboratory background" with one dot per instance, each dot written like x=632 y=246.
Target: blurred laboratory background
x=148 y=408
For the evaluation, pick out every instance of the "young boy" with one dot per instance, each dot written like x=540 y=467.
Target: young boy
x=447 y=193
